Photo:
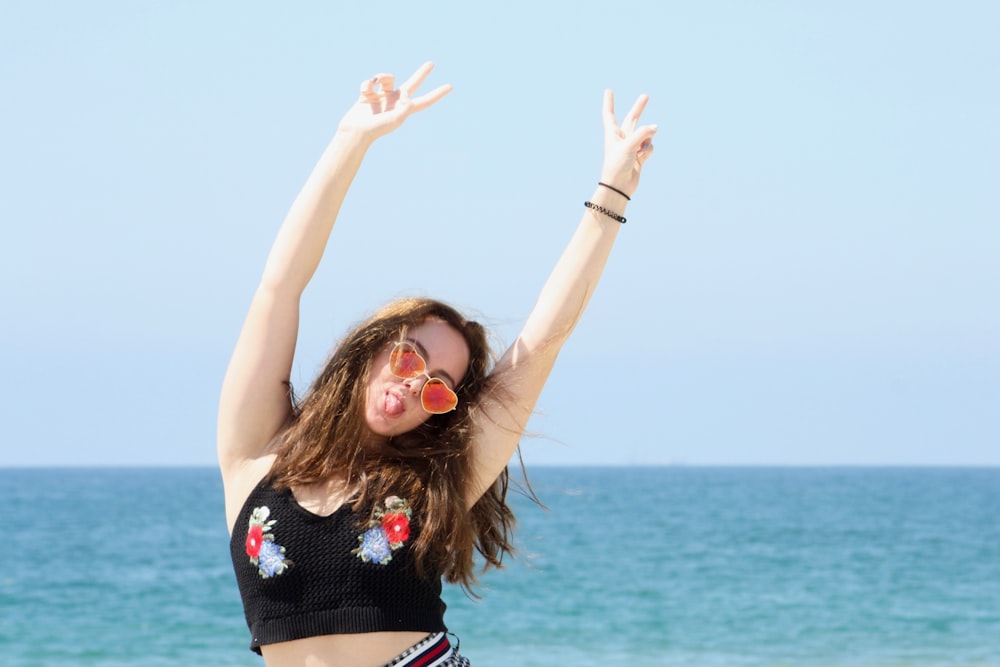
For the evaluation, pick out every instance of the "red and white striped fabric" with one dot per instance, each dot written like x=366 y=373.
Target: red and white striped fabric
x=435 y=651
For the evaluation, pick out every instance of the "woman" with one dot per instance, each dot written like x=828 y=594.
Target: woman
x=348 y=508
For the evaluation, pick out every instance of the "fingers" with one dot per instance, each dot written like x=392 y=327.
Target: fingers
x=424 y=101
x=630 y=141
x=386 y=81
x=641 y=143
x=411 y=84
x=645 y=150
x=382 y=80
x=608 y=111
x=632 y=117
x=382 y=84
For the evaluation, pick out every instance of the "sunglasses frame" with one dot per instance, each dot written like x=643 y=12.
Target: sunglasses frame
x=409 y=348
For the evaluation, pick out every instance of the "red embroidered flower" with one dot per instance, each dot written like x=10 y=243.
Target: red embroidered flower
x=396 y=527
x=255 y=536
x=387 y=530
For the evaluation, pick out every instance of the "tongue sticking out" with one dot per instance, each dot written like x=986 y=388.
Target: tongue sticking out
x=393 y=405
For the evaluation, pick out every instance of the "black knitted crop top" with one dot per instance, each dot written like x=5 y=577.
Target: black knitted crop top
x=302 y=575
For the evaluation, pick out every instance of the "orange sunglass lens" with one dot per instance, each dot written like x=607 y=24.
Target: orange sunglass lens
x=405 y=362
x=437 y=398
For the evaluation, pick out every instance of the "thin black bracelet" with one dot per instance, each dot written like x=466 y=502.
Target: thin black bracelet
x=614 y=189
x=600 y=209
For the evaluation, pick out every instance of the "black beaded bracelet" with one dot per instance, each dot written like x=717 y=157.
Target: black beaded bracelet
x=600 y=209
x=614 y=189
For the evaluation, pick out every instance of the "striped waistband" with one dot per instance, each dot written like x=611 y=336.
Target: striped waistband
x=434 y=651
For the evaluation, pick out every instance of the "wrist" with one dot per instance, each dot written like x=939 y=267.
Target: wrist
x=609 y=197
x=619 y=191
x=620 y=179
x=605 y=211
x=608 y=203
x=354 y=138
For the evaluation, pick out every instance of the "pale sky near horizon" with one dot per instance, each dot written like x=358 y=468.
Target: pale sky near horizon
x=809 y=273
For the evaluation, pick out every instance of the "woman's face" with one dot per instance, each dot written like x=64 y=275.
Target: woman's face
x=392 y=404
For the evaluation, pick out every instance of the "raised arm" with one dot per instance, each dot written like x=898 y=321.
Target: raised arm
x=254 y=403
x=522 y=371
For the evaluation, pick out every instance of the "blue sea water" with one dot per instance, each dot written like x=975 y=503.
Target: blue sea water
x=674 y=566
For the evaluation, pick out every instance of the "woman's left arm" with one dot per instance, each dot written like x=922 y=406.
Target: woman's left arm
x=522 y=371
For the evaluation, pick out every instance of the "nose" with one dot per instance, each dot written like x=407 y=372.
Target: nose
x=414 y=385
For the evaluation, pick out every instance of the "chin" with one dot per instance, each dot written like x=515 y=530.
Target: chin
x=383 y=429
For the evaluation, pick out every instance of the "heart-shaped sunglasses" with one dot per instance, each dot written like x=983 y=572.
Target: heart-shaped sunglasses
x=435 y=396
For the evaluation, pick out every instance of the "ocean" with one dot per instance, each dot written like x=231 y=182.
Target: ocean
x=674 y=566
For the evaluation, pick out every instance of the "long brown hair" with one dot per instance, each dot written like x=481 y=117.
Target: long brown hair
x=430 y=466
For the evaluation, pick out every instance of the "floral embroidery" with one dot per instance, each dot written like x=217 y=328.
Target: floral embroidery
x=268 y=556
x=388 y=529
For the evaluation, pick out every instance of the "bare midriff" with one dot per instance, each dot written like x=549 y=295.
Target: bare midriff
x=370 y=649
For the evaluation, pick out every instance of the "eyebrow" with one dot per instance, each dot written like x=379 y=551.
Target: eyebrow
x=423 y=353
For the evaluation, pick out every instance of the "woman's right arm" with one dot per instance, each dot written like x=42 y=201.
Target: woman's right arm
x=254 y=403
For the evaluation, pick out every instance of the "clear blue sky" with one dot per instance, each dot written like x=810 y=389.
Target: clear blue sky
x=809 y=274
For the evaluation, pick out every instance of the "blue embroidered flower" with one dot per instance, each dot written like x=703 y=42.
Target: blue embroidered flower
x=374 y=546
x=272 y=559
x=388 y=529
